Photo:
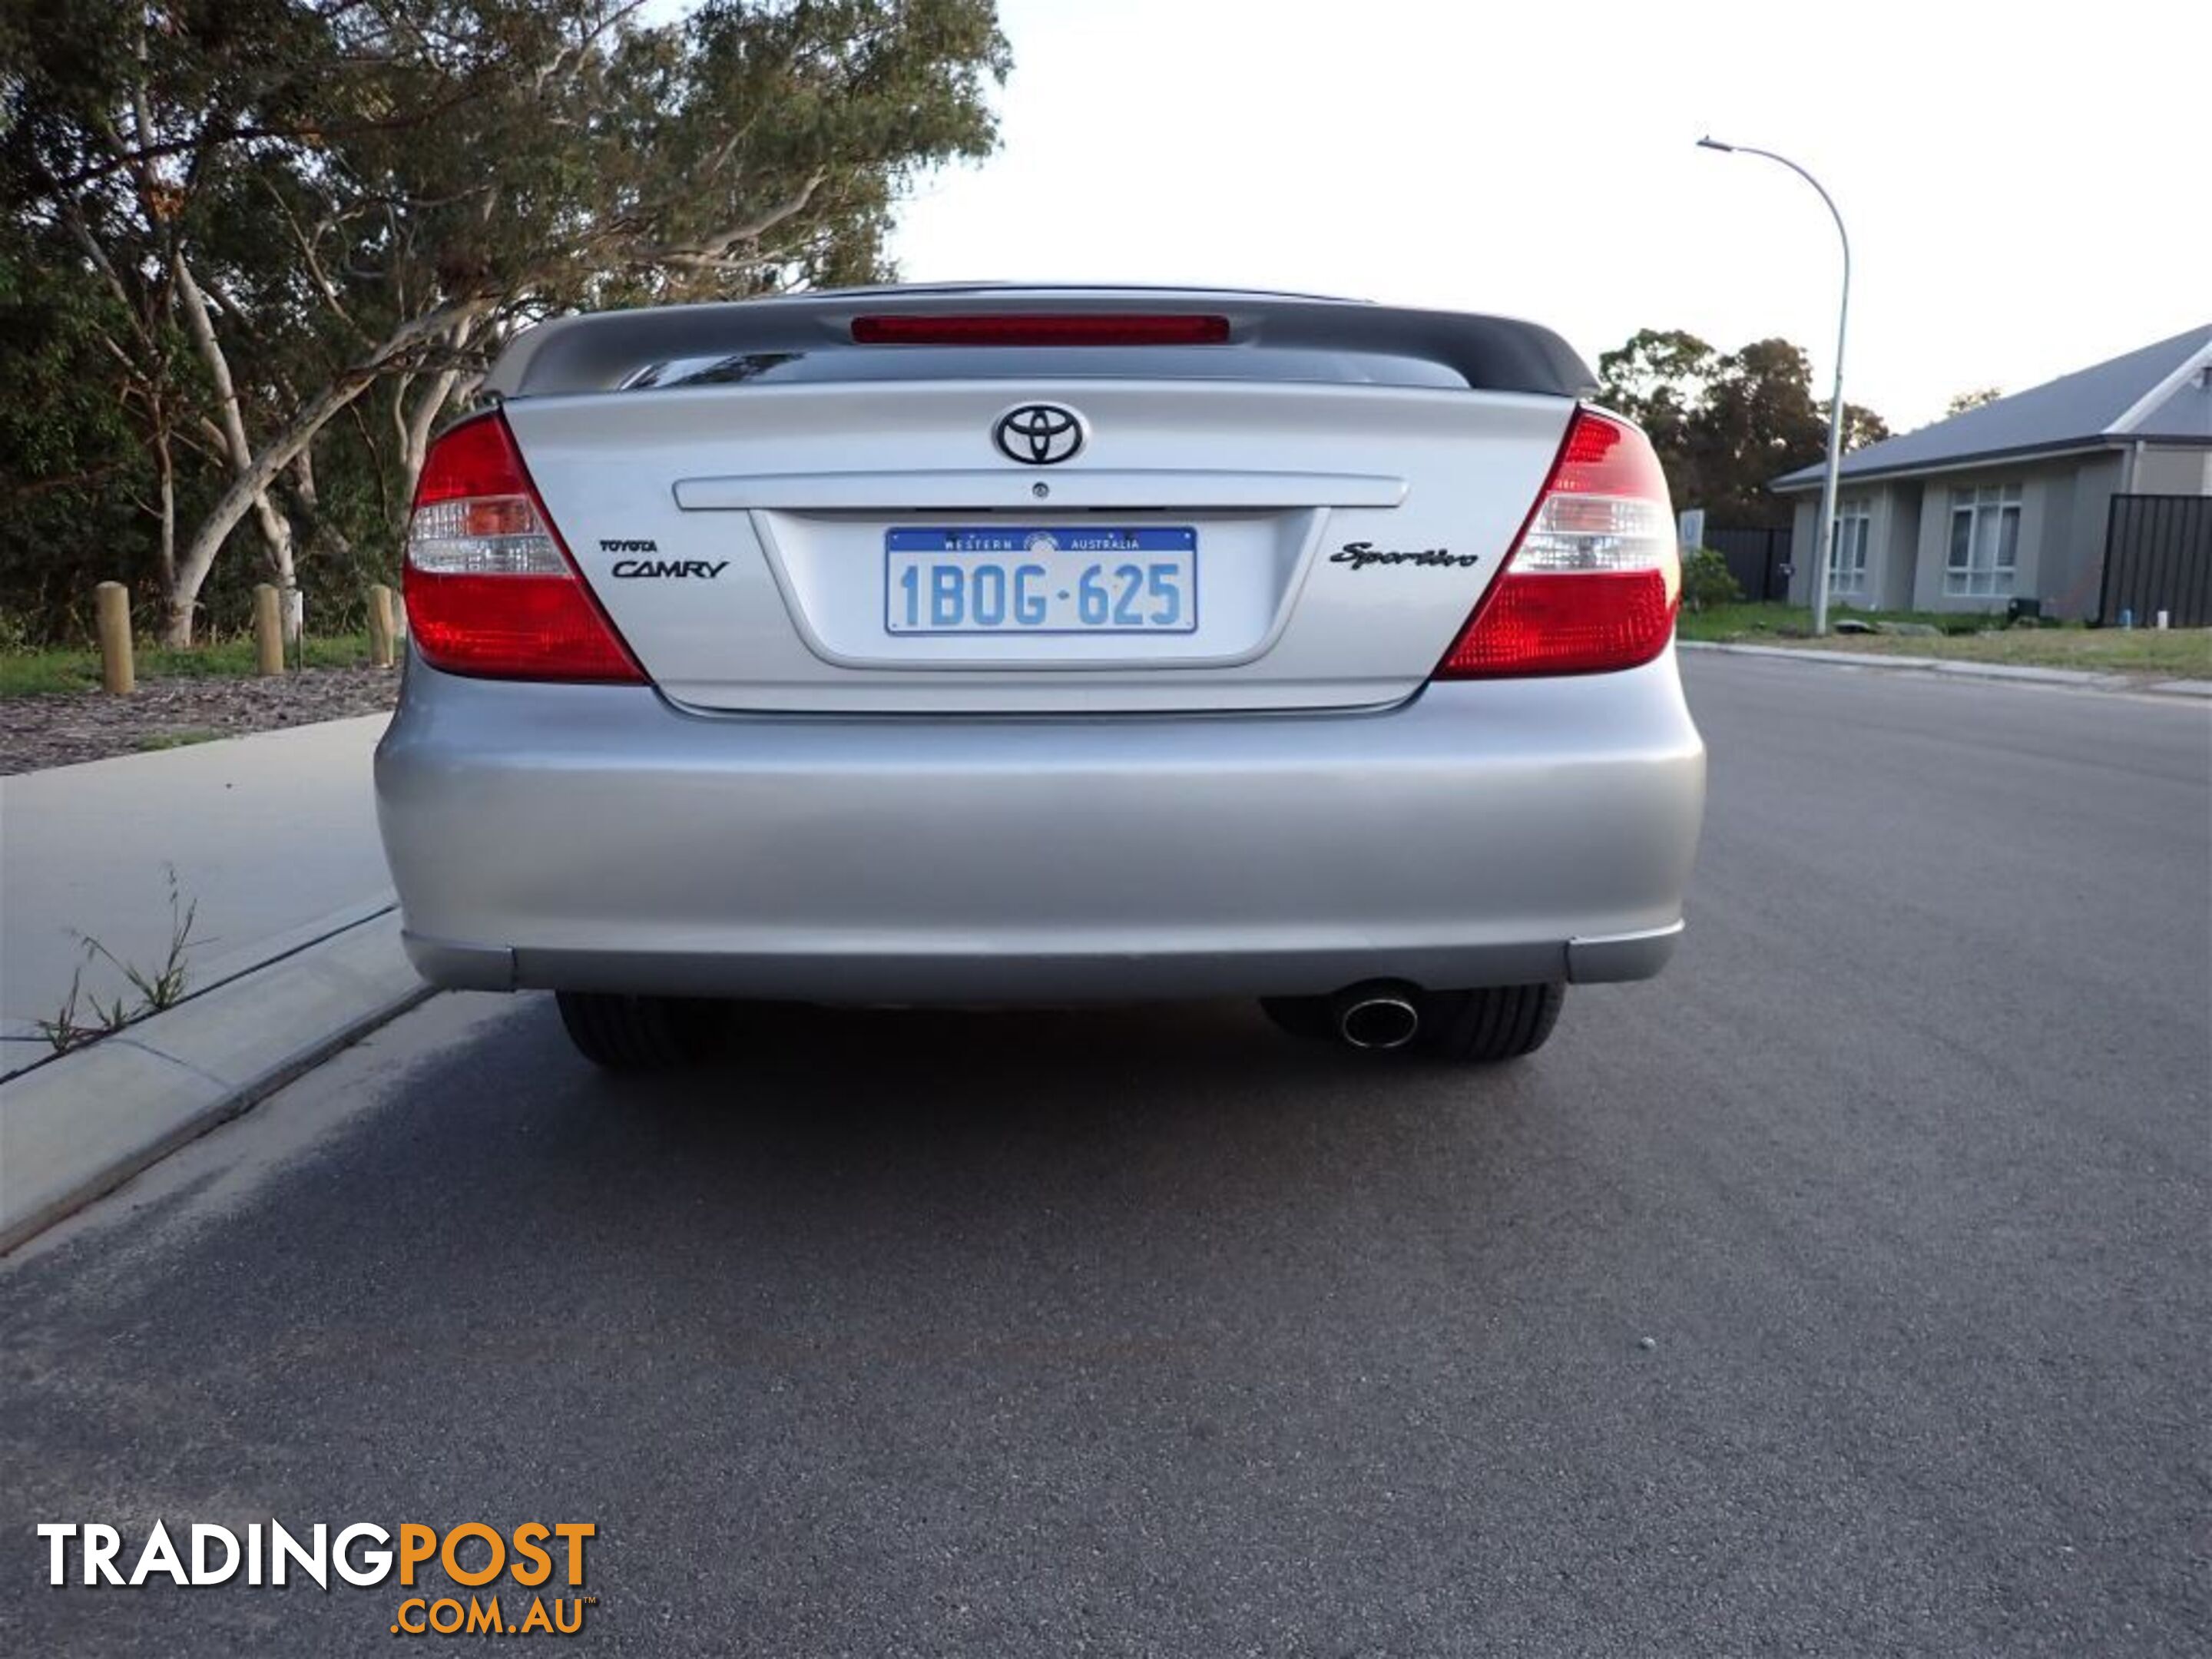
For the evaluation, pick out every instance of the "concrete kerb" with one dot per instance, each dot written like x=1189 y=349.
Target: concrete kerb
x=23 y=1047
x=79 y=1125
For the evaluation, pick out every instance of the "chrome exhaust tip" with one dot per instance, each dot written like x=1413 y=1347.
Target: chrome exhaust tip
x=1377 y=1017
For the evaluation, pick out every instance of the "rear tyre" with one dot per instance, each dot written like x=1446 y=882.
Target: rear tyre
x=632 y=1034
x=1499 y=1022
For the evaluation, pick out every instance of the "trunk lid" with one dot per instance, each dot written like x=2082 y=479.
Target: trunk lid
x=1294 y=543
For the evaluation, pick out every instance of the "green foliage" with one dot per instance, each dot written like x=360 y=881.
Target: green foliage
x=70 y=466
x=1706 y=580
x=32 y=673
x=1963 y=401
x=366 y=198
x=180 y=738
x=83 y=1016
x=1726 y=423
x=1767 y=620
x=2168 y=655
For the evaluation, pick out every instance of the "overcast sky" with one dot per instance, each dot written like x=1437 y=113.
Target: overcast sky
x=2028 y=186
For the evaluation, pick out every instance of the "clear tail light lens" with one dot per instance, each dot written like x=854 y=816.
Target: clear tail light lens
x=490 y=590
x=1595 y=580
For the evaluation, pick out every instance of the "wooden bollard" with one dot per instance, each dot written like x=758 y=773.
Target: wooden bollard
x=119 y=672
x=268 y=629
x=380 y=650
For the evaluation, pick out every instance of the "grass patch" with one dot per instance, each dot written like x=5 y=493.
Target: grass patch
x=1780 y=623
x=183 y=738
x=2179 y=653
x=34 y=673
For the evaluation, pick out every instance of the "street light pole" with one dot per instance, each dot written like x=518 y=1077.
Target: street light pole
x=1826 y=537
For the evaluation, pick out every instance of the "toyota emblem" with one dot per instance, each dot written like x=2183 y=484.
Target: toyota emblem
x=1038 y=435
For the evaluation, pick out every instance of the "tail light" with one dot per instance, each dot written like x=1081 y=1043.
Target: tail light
x=1104 y=328
x=490 y=590
x=1595 y=580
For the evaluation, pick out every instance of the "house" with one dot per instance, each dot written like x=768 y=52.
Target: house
x=2013 y=499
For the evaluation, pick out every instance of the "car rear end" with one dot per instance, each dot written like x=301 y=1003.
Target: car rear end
x=928 y=646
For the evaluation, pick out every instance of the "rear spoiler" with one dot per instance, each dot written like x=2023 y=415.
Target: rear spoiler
x=601 y=351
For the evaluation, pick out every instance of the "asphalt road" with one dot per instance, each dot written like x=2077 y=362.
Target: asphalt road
x=1847 y=1290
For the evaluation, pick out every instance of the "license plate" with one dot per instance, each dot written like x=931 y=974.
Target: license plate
x=1090 y=580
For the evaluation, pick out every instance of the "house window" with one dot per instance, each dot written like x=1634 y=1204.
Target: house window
x=1847 y=550
x=1984 y=540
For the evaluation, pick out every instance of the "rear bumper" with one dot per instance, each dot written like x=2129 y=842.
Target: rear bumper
x=583 y=837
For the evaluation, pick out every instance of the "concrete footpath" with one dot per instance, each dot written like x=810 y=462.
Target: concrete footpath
x=294 y=951
x=271 y=834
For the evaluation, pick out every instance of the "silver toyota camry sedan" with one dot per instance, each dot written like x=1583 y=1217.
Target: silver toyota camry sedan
x=989 y=646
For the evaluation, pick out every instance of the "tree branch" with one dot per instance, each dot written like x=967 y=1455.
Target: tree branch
x=714 y=252
x=251 y=131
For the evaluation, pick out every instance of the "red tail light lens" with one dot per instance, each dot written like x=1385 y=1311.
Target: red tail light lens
x=1077 y=328
x=490 y=590
x=1595 y=580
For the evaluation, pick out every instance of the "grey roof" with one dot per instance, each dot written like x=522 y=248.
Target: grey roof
x=2184 y=414
x=2157 y=393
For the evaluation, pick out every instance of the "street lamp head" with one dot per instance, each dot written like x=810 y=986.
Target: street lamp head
x=1710 y=142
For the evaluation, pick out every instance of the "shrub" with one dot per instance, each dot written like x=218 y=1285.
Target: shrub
x=1706 y=580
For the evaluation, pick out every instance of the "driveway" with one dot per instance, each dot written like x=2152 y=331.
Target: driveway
x=1847 y=1290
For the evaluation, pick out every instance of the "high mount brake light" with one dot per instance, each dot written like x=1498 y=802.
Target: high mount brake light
x=1042 y=329
x=1595 y=580
x=490 y=590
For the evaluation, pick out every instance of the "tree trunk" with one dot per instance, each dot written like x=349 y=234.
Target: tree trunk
x=254 y=481
x=276 y=528
x=165 y=471
x=415 y=432
x=415 y=424
x=327 y=543
x=176 y=624
x=277 y=531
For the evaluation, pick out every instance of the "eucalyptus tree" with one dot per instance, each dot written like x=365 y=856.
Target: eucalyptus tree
x=328 y=198
x=1724 y=423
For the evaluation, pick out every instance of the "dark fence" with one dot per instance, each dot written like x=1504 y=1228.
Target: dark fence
x=1758 y=559
x=2158 y=556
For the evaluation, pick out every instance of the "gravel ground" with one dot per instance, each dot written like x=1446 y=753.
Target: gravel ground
x=63 y=728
